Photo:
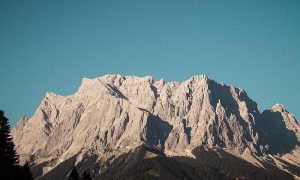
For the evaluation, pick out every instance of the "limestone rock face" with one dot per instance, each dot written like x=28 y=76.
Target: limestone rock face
x=113 y=114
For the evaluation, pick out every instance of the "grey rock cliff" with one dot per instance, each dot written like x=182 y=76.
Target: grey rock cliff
x=111 y=115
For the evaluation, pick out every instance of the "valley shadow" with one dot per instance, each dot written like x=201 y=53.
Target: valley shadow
x=60 y=171
x=209 y=164
x=90 y=163
x=37 y=169
x=290 y=167
x=236 y=167
x=147 y=163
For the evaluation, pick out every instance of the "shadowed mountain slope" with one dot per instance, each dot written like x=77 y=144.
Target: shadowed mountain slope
x=112 y=115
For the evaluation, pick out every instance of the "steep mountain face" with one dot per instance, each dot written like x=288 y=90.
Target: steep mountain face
x=280 y=131
x=112 y=115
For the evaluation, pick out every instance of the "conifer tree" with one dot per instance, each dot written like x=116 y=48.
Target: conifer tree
x=9 y=160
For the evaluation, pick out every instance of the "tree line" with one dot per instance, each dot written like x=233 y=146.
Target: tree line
x=9 y=159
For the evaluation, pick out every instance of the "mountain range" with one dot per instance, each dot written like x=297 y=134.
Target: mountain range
x=128 y=127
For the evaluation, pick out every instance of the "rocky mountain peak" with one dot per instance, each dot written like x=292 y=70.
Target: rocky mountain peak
x=113 y=114
x=278 y=107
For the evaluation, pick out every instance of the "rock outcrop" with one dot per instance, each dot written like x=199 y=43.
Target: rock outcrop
x=113 y=115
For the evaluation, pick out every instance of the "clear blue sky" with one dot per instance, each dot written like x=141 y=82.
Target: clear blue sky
x=52 y=45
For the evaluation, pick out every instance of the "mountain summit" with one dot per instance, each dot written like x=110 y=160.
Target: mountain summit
x=114 y=118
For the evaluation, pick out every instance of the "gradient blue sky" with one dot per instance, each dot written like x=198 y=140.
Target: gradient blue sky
x=52 y=45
